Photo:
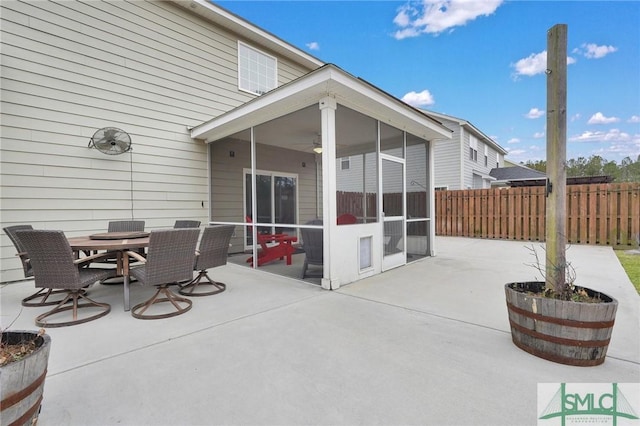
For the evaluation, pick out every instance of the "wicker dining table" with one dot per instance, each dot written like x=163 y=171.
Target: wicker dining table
x=117 y=242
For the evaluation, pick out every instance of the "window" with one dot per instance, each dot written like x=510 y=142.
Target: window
x=257 y=72
x=473 y=148
x=486 y=155
x=440 y=188
x=497 y=160
x=345 y=163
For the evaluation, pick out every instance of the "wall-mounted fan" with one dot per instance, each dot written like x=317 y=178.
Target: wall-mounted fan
x=114 y=141
x=111 y=140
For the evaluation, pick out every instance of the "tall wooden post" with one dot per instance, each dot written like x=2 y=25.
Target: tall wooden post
x=556 y=214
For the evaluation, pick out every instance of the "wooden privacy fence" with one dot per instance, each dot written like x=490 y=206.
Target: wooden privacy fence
x=604 y=214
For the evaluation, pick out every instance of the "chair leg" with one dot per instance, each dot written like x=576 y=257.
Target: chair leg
x=169 y=296
x=74 y=296
x=43 y=294
x=189 y=288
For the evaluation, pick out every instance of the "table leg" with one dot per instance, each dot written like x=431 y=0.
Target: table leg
x=125 y=274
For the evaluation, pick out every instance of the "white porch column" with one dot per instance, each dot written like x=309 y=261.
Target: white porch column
x=431 y=197
x=328 y=108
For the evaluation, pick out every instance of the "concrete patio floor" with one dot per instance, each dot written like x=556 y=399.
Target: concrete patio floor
x=425 y=344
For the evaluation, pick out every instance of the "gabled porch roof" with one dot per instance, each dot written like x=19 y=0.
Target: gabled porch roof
x=327 y=81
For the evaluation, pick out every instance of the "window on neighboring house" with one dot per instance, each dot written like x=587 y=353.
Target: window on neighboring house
x=440 y=188
x=257 y=71
x=473 y=148
x=345 y=163
x=497 y=160
x=486 y=155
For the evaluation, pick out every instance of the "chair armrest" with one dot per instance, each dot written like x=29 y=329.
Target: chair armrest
x=137 y=256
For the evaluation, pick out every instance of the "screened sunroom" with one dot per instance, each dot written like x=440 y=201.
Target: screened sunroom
x=330 y=157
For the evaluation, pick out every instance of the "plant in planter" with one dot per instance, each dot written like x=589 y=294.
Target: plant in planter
x=571 y=326
x=555 y=319
x=24 y=356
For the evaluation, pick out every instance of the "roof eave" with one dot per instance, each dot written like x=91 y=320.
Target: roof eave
x=248 y=31
x=469 y=125
x=326 y=81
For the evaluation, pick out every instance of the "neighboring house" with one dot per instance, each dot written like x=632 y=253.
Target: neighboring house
x=519 y=175
x=505 y=175
x=212 y=104
x=466 y=161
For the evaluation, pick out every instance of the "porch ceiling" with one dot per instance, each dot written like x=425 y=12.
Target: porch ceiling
x=295 y=105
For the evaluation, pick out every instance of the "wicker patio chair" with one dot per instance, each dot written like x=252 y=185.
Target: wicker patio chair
x=312 y=244
x=40 y=297
x=126 y=226
x=212 y=252
x=186 y=224
x=170 y=259
x=55 y=267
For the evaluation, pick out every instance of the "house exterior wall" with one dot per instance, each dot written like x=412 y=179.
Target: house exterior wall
x=476 y=171
x=448 y=164
x=68 y=69
x=468 y=164
x=227 y=180
x=454 y=168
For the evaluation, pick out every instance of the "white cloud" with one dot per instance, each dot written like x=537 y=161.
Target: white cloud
x=516 y=151
x=613 y=135
x=513 y=140
x=621 y=149
x=534 y=113
x=423 y=98
x=538 y=135
x=576 y=117
x=436 y=16
x=634 y=119
x=593 y=51
x=599 y=118
x=536 y=63
x=314 y=45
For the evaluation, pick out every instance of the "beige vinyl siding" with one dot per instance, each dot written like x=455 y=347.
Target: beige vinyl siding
x=69 y=68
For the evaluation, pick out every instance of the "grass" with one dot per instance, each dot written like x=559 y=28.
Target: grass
x=631 y=264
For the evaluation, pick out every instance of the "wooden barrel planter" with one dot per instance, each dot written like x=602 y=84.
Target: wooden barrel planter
x=566 y=332
x=22 y=382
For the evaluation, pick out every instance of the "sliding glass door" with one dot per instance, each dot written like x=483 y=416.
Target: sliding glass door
x=276 y=202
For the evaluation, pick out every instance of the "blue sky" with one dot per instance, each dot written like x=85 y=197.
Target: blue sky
x=482 y=61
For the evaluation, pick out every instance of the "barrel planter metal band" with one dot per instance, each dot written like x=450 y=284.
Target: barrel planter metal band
x=23 y=381
x=567 y=332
